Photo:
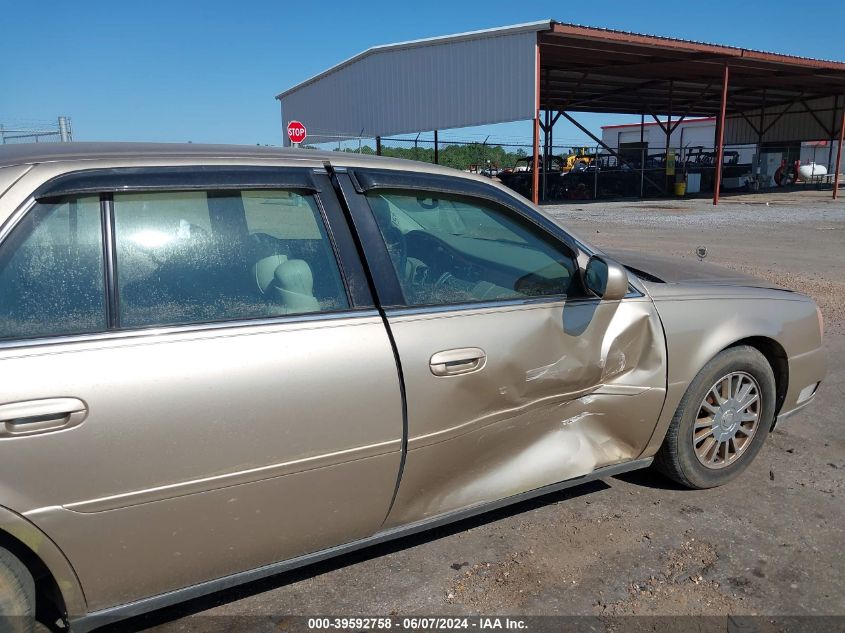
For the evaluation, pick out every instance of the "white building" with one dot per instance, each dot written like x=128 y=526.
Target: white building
x=693 y=134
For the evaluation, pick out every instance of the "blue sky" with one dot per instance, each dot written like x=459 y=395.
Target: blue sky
x=209 y=71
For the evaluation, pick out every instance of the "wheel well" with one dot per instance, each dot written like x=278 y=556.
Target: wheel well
x=49 y=605
x=778 y=361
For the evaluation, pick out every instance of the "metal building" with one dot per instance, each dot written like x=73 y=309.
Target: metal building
x=693 y=135
x=546 y=70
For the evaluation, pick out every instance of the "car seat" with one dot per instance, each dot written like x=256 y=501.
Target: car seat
x=264 y=271
x=292 y=288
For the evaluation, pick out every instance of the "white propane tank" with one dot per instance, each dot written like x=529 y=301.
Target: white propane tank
x=811 y=169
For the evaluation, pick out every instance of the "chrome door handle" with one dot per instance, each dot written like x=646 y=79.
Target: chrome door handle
x=40 y=416
x=454 y=362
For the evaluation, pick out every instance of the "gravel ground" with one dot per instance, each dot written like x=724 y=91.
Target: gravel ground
x=770 y=543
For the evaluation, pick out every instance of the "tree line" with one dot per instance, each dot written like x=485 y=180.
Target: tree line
x=457 y=156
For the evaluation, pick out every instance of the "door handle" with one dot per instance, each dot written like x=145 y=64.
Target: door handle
x=454 y=362
x=31 y=417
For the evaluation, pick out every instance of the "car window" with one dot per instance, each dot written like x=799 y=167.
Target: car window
x=450 y=249
x=281 y=214
x=51 y=272
x=192 y=257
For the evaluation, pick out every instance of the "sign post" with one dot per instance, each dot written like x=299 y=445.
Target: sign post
x=296 y=133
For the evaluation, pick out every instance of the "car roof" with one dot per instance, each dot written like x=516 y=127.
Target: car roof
x=34 y=153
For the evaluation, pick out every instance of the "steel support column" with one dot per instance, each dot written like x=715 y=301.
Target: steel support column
x=832 y=132
x=720 y=136
x=668 y=138
x=436 y=149
x=839 y=155
x=535 y=174
x=378 y=146
x=642 y=155
x=760 y=142
x=544 y=191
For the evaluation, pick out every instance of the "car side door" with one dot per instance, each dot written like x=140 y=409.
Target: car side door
x=184 y=353
x=514 y=377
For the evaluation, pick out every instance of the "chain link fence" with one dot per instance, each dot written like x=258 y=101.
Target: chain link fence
x=584 y=172
x=59 y=131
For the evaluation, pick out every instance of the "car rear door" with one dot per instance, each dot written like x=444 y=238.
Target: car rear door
x=514 y=378
x=195 y=379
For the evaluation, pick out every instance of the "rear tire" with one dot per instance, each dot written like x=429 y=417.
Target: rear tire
x=17 y=595
x=733 y=432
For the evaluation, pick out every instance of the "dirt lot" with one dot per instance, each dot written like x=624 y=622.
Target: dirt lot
x=770 y=543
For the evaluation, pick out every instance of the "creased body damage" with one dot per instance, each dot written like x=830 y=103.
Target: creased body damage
x=565 y=389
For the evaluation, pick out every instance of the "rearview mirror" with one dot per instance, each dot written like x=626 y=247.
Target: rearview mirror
x=605 y=278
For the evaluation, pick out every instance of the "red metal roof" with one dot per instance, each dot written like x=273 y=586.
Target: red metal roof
x=591 y=69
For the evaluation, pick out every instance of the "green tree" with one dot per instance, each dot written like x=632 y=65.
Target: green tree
x=451 y=155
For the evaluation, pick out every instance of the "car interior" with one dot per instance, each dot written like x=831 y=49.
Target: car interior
x=181 y=258
x=446 y=250
x=189 y=257
x=51 y=271
x=246 y=256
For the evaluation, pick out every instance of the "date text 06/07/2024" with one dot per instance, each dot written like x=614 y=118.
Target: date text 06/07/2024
x=416 y=623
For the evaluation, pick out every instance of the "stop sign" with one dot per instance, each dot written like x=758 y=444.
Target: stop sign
x=296 y=132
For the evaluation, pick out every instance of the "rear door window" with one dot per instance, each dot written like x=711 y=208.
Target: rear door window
x=194 y=257
x=51 y=272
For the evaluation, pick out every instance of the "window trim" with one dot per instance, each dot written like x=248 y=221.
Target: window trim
x=153 y=331
x=340 y=236
x=373 y=249
x=176 y=178
x=110 y=287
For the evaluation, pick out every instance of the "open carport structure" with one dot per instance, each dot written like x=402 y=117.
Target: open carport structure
x=547 y=70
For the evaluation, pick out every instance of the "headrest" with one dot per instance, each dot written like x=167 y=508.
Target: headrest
x=264 y=271
x=293 y=286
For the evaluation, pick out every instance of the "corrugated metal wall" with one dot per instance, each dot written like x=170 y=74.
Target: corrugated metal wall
x=420 y=88
x=796 y=125
x=695 y=133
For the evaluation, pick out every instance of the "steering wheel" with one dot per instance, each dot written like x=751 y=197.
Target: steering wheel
x=441 y=281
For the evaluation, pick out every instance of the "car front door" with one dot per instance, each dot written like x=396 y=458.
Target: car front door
x=514 y=378
x=190 y=404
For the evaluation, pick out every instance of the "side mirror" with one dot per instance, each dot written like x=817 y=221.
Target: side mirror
x=605 y=278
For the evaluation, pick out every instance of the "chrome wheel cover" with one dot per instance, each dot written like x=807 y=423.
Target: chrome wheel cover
x=727 y=420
